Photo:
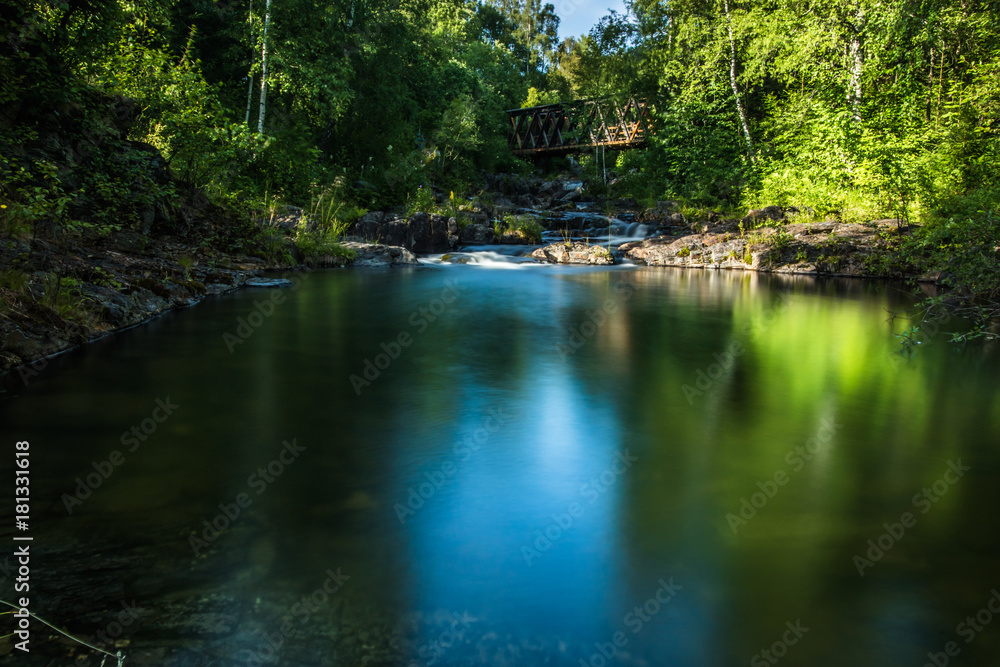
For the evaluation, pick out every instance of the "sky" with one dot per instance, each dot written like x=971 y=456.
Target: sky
x=579 y=16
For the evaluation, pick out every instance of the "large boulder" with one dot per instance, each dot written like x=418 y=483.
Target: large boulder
x=379 y=255
x=380 y=227
x=421 y=233
x=428 y=233
x=476 y=234
x=574 y=253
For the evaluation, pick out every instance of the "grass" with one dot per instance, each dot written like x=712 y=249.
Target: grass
x=526 y=227
x=316 y=246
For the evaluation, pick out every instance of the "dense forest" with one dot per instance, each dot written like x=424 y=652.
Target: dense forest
x=856 y=110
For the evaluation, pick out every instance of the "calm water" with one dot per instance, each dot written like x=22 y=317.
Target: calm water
x=552 y=466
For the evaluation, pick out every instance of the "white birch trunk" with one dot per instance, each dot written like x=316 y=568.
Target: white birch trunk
x=857 y=67
x=733 y=83
x=246 y=120
x=263 y=71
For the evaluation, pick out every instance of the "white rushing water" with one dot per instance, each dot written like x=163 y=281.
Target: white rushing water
x=487 y=256
x=587 y=226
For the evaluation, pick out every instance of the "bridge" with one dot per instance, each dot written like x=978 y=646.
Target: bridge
x=578 y=126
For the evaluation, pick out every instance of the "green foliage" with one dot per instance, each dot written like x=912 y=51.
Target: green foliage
x=457 y=134
x=526 y=227
x=62 y=294
x=31 y=194
x=330 y=213
x=12 y=279
x=180 y=113
x=538 y=98
x=317 y=246
x=422 y=201
x=104 y=278
x=966 y=250
x=273 y=246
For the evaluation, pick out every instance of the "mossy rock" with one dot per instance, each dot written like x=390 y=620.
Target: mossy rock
x=193 y=285
x=154 y=286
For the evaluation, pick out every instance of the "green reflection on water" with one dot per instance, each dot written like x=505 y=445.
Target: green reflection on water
x=711 y=379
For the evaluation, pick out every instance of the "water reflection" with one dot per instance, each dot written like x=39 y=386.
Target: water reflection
x=553 y=451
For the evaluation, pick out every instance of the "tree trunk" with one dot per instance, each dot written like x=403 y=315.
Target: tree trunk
x=263 y=70
x=246 y=120
x=857 y=66
x=732 y=81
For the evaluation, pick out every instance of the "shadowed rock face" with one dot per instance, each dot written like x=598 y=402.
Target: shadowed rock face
x=421 y=233
x=477 y=234
x=574 y=253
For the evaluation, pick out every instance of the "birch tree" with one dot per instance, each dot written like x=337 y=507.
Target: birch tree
x=263 y=70
x=857 y=66
x=246 y=120
x=740 y=111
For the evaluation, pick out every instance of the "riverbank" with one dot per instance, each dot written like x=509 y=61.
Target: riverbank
x=59 y=293
x=56 y=295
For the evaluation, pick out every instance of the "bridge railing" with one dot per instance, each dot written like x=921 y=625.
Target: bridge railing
x=578 y=126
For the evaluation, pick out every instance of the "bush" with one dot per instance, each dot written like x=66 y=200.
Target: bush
x=525 y=226
x=421 y=202
x=966 y=250
x=317 y=245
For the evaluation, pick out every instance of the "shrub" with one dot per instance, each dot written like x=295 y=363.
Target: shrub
x=525 y=226
x=422 y=201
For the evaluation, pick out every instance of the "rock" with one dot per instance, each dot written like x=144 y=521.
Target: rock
x=289 y=220
x=552 y=188
x=667 y=205
x=574 y=253
x=380 y=227
x=427 y=233
x=476 y=234
x=623 y=204
x=766 y=213
x=268 y=282
x=695 y=250
x=377 y=255
x=572 y=195
x=514 y=238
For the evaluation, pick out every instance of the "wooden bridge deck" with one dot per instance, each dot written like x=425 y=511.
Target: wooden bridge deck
x=578 y=126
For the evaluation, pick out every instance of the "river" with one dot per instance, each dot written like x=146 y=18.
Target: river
x=488 y=462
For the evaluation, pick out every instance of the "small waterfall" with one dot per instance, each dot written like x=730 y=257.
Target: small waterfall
x=637 y=229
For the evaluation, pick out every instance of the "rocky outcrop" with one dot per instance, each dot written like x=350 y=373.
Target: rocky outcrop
x=828 y=248
x=117 y=286
x=574 y=253
x=421 y=232
x=695 y=251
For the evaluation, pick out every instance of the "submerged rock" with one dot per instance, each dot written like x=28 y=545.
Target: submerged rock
x=574 y=253
x=268 y=282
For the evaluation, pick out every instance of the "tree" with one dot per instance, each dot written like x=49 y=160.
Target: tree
x=263 y=69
